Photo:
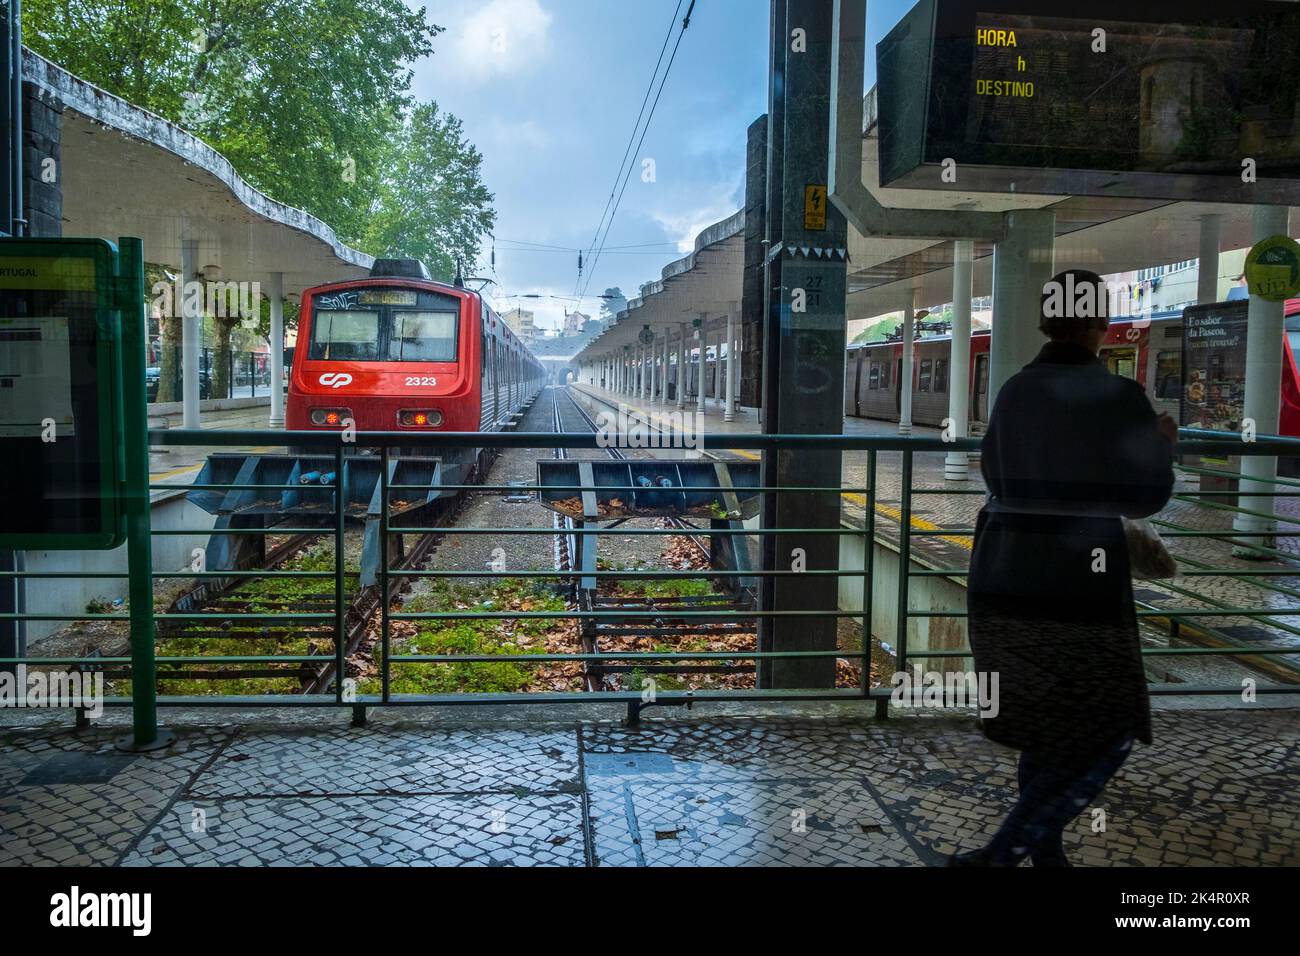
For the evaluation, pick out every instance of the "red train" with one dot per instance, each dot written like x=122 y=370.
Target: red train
x=398 y=351
x=1199 y=379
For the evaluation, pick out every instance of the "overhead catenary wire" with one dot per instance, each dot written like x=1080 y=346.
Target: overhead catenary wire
x=627 y=150
x=595 y=259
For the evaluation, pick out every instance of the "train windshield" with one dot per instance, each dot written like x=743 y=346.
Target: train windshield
x=384 y=325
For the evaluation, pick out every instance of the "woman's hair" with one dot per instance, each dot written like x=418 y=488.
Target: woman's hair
x=1073 y=302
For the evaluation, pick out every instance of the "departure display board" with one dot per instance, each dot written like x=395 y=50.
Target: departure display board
x=60 y=395
x=1158 y=100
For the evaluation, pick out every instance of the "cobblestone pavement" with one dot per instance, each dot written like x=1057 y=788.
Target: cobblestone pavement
x=1218 y=787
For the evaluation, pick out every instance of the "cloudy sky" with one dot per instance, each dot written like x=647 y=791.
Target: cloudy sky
x=549 y=91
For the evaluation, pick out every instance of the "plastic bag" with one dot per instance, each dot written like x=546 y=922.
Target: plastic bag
x=1147 y=556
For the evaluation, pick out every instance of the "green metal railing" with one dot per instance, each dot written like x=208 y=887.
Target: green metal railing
x=146 y=669
x=1180 y=619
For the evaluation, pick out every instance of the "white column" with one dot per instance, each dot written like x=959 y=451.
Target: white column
x=191 y=334
x=681 y=368
x=275 y=292
x=729 y=412
x=645 y=372
x=957 y=465
x=740 y=354
x=1264 y=339
x=703 y=342
x=663 y=384
x=1207 y=265
x=905 y=376
x=653 y=357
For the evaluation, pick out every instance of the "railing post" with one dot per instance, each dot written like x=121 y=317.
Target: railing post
x=868 y=575
x=904 y=556
x=145 y=734
x=340 y=612
x=383 y=573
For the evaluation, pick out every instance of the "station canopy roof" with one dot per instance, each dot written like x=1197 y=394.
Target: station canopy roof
x=708 y=281
x=128 y=172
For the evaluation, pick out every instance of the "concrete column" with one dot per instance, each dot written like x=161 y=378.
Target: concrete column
x=1022 y=265
x=1207 y=265
x=740 y=356
x=644 y=363
x=1264 y=339
x=681 y=368
x=956 y=466
x=275 y=292
x=905 y=376
x=663 y=384
x=729 y=412
x=653 y=353
x=191 y=334
x=703 y=342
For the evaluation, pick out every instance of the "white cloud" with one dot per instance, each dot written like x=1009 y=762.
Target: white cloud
x=500 y=38
x=683 y=227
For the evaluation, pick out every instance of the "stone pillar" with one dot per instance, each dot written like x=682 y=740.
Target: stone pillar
x=956 y=466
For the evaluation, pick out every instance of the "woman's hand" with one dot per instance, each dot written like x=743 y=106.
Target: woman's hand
x=1167 y=427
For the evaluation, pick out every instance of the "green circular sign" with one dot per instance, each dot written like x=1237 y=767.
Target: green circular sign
x=1273 y=269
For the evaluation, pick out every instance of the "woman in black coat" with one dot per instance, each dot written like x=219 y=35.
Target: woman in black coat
x=1070 y=448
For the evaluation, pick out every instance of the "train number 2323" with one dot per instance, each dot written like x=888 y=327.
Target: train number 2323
x=421 y=380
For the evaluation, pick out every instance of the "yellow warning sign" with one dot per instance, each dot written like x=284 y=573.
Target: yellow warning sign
x=48 y=273
x=1273 y=269
x=814 y=207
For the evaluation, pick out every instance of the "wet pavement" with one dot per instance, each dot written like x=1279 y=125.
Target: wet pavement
x=1218 y=787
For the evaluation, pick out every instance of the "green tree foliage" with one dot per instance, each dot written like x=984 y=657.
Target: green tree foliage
x=309 y=99
x=612 y=304
x=432 y=204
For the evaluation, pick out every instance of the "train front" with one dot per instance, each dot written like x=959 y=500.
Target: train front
x=393 y=352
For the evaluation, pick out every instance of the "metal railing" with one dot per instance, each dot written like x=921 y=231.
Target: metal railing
x=331 y=625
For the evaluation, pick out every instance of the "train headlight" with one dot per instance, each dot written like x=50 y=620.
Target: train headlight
x=419 y=418
x=330 y=417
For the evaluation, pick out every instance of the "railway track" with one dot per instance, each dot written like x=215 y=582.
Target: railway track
x=242 y=595
x=670 y=624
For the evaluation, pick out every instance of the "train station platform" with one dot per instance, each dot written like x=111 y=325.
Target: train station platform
x=180 y=464
x=540 y=787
